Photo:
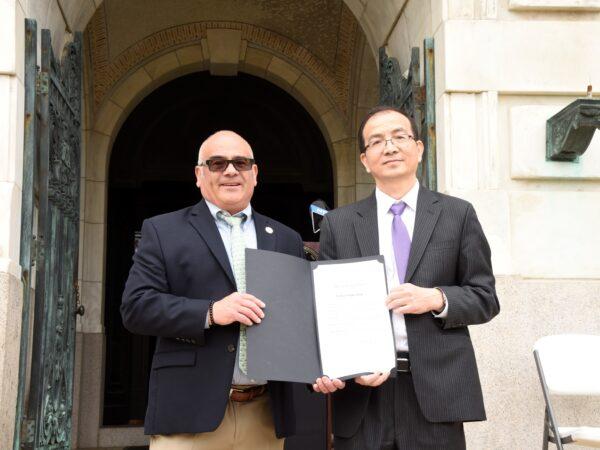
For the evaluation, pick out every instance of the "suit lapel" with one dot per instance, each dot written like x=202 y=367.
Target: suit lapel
x=264 y=239
x=204 y=223
x=365 y=226
x=428 y=212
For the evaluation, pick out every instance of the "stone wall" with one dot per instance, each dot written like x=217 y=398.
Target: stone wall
x=12 y=16
x=513 y=397
x=502 y=68
x=10 y=334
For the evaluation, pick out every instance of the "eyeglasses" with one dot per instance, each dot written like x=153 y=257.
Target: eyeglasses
x=219 y=164
x=400 y=141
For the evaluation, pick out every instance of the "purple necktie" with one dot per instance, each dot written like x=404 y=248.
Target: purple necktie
x=400 y=240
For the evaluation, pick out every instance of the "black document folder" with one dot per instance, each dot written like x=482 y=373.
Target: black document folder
x=285 y=345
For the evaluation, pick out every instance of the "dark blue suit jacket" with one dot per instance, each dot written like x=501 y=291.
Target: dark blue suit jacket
x=179 y=267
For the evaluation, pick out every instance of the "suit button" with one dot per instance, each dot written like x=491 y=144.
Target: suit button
x=231 y=348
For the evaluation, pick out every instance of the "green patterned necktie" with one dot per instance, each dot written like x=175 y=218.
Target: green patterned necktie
x=238 y=259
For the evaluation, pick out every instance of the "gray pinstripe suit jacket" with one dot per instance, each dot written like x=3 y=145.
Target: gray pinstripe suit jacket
x=449 y=251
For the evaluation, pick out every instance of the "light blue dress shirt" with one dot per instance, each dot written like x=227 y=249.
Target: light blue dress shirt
x=249 y=231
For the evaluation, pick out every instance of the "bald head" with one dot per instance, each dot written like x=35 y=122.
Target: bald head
x=221 y=140
x=229 y=189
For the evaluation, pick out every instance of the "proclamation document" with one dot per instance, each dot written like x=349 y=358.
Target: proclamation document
x=353 y=323
x=321 y=318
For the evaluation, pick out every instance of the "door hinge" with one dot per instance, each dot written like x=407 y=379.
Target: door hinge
x=27 y=431
x=420 y=95
x=34 y=250
x=79 y=308
x=41 y=83
x=37 y=251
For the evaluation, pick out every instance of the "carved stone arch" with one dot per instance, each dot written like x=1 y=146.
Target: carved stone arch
x=106 y=71
x=330 y=97
x=158 y=69
x=103 y=128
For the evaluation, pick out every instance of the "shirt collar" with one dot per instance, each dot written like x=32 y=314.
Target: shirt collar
x=214 y=209
x=384 y=201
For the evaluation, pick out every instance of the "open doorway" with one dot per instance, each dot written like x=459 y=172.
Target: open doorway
x=151 y=172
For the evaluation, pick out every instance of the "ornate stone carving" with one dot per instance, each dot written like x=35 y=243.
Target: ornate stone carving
x=335 y=78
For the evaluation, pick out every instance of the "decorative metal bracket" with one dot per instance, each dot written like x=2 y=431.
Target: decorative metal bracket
x=407 y=93
x=570 y=131
x=41 y=83
x=404 y=92
x=27 y=431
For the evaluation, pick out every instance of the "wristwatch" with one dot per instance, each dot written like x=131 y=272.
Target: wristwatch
x=441 y=310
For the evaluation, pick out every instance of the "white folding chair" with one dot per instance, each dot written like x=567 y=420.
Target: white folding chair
x=568 y=364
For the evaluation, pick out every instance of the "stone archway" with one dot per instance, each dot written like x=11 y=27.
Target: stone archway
x=116 y=87
x=165 y=66
x=150 y=173
x=108 y=121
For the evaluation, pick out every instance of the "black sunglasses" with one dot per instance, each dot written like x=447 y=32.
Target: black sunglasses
x=219 y=164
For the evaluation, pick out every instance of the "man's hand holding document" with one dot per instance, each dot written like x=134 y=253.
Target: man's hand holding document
x=322 y=319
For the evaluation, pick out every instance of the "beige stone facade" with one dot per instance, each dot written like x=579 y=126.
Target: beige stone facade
x=502 y=68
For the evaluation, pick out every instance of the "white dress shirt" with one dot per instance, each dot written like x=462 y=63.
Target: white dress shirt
x=386 y=248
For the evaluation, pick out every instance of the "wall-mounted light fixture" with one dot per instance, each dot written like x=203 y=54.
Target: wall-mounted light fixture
x=570 y=131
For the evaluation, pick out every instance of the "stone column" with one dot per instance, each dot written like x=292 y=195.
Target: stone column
x=12 y=94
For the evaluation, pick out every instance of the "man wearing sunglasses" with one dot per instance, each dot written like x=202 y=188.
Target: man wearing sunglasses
x=187 y=287
x=440 y=277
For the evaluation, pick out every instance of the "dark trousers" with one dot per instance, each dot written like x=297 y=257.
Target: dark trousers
x=393 y=421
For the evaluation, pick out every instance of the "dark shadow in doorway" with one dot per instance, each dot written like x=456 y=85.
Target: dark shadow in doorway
x=152 y=172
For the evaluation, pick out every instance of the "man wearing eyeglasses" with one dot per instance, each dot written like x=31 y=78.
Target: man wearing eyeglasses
x=187 y=287
x=440 y=278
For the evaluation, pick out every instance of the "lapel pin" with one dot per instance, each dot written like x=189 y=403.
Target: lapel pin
x=269 y=230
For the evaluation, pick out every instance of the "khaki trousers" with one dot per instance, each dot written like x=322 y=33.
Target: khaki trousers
x=245 y=426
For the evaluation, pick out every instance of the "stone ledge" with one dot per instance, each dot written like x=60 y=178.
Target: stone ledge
x=497 y=45
x=528 y=148
x=554 y=5
x=122 y=436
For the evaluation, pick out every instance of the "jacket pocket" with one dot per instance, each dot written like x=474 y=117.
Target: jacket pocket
x=174 y=359
x=441 y=245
